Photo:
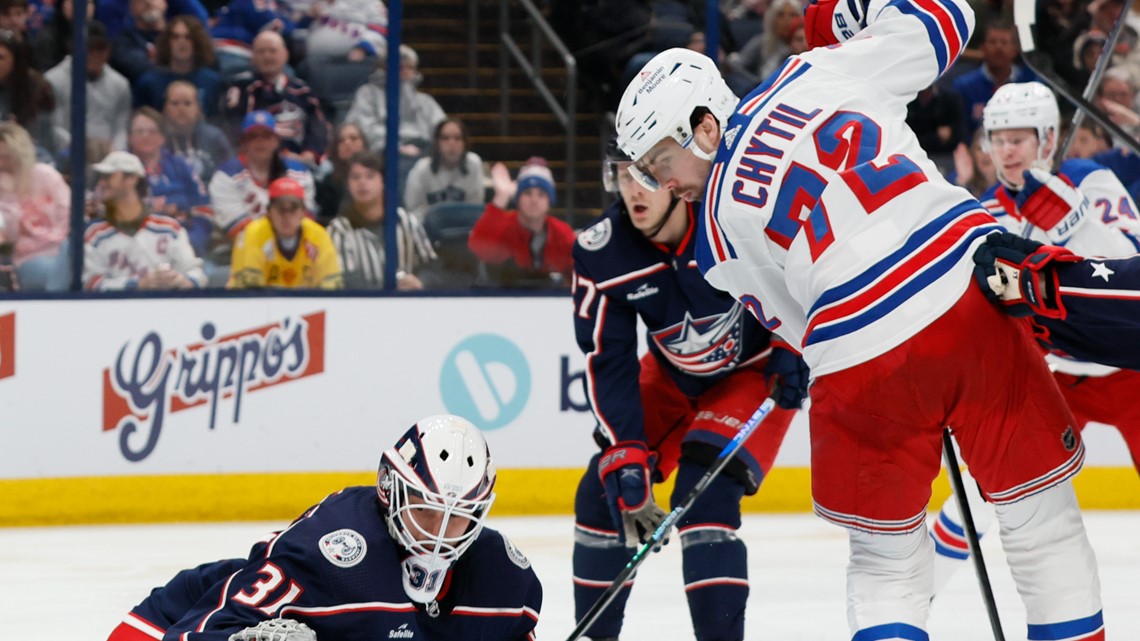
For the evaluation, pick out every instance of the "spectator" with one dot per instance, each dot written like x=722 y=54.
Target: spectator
x=108 y=95
x=238 y=190
x=1116 y=96
x=14 y=17
x=24 y=95
x=1104 y=14
x=974 y=167
x=348 y=140
x=528 y=242
x=52 y=43
x=133 y=248
x=358 y=231
x=286 y=248
x=936 y=118
x=352 y=29
x=238 y=25
x=300 y=121
x=420 y=114
x=188 y=135
x=175 y=190
x=1086 y=51
x=115 y=14
x=1000 y=52
x=134 y=46
x=746 y=19
x=36 y=205
x=764 y=53
x=1089 y=140
x=182 y=52
x=452 y=173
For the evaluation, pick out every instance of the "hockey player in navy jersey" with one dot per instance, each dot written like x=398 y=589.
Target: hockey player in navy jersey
x=1084 y=208
x=824 y=216
x=1088 y=308
x=709 y=364
x=407 y=558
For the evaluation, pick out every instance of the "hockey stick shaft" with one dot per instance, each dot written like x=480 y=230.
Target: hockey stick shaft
x=681 y=508
x=971 y=534
x=1102 y=63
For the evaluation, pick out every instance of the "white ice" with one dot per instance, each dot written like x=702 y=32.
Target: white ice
x=76 y=583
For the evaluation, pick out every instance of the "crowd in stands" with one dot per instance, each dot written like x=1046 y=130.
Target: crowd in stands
x=215 y=160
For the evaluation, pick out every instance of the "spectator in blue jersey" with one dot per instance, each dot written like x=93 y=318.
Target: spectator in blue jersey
x=1000 y=55
x=182 y=52
x=175 y=190
x=118 y=14
x=301 y=123
x=134 y=45
x=188 y=134
x=239 y=23
x=414 y=545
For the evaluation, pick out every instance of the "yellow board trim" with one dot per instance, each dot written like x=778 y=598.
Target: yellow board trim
x=282 y=496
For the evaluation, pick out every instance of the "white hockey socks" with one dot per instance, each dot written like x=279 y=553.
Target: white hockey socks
x=889 y=583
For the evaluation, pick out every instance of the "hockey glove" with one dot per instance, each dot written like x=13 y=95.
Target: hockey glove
x=1051 y=203
x=830 y=22
x=1014 y=274
x=276 y=630
x=786 y=369
x=626 y=472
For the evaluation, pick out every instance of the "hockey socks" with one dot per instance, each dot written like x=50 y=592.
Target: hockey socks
x=951 y=552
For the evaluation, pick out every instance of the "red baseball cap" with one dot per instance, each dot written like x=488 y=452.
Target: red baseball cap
x=286 y=187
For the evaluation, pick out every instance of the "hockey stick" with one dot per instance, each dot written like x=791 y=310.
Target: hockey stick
x=1040 y=64
x=658 y=535
x=971 y=534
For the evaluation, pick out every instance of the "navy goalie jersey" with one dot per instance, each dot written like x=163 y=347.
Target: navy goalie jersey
x=698 y=334
x=338 y=570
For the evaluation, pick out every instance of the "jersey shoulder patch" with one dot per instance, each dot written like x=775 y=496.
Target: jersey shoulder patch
x=514 y=554
x=343 y=548
x=596 y=236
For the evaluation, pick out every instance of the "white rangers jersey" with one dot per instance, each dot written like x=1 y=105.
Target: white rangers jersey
x=1107 y=226
x=823 y=215
x=114 y=258
x=238 y=198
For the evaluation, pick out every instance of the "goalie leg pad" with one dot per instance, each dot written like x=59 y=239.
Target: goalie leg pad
x=598 y=557
x=714 y=560
x=1053 y=564
x=889 y=584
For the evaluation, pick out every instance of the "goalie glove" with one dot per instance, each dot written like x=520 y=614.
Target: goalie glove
x=1051 y=203
x=276 y=630
x=830 y=22
x=1013 y=273
x=626 y=473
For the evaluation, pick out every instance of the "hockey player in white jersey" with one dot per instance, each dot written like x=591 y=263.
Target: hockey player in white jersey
x=133 y=248
x=1084 y=208
x=827 y=220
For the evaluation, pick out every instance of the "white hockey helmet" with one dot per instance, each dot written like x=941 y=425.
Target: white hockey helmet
x=443 y=461
x=1023 y=105
x=661 y=99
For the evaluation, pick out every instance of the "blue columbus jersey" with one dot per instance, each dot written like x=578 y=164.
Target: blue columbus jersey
x=338 y=570
x=1102 y=301
x=698 y=333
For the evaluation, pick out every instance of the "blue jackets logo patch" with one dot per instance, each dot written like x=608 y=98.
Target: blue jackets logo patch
x=597 y=236
x=343 y=548
x=704 y=346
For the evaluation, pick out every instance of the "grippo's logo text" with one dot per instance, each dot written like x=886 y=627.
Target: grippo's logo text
x=148 y=380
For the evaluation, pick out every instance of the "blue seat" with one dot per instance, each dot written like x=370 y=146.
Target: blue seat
x=448 y=226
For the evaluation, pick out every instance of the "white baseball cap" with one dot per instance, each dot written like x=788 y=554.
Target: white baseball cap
x=120 y=161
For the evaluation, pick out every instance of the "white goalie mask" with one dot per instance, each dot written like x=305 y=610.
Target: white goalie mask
x=436 y=484
x=660 y=101
x=1023 y=105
